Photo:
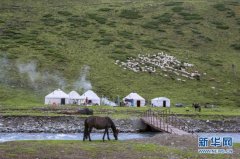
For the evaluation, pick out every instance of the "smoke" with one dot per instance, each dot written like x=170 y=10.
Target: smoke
x=19 y=74
x=54 y=79
x=105 y=101
x=30 y=70
x=38 y=80
x=82 y=83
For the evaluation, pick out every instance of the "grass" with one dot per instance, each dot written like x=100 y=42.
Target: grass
x=95 y=149
x=218 y=113
x=61 y=40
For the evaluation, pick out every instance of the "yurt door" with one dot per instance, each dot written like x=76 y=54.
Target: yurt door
x=138 y=103
x=62 y=101
x=164 y=103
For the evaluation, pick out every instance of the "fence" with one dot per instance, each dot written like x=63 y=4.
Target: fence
x=165 y=119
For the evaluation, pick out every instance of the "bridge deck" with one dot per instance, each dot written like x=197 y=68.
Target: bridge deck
x=163 y=126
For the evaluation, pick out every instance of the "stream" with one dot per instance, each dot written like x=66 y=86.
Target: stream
x=70 y=136
x=98 y=136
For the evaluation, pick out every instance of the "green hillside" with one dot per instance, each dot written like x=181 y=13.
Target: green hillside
x=73 y=44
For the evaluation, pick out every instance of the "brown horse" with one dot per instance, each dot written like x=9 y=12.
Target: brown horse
x=99 y=123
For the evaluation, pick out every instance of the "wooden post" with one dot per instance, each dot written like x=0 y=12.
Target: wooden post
x=163 y=114
x=167 y=127
x=166 y=116
x=234 y=70
x=150 y=117
x=153 y=118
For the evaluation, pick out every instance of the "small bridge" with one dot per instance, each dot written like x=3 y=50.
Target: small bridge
x=166 y=121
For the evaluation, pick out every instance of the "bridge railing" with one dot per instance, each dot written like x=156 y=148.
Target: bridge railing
x=156 y=120
x=162 y=119
x=179 y=123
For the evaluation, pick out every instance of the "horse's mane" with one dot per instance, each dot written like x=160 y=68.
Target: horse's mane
x=112 y=124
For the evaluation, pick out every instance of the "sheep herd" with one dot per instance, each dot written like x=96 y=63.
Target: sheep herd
x=152 y=63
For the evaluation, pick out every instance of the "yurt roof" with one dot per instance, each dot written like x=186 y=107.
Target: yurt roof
x=134 y=96
x=74 y=95
x=57 y=94
x=161 y=98
x=90 y=94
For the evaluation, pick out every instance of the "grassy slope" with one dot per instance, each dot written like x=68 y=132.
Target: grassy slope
x=62 y=37
x=97 y=149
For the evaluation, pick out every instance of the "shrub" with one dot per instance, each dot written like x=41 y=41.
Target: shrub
x=238 y=21
x=119 y=55
x=129 y=46
x=196 y=32
x=87 y=31
x=207 y=39
x=190 y=16
x=231 y=14
x=130 y=14
x=223 y=27
x=161 y=30
x=101 y=20
x=177 y=9
x=164 y=18
x=151 y=25
x=120 y=46
x=236 y=46
x=78 y=21
x=11 y=34
x=179 y=32
x=111 y=24
x=149 y=44
x=64 y=13
x=101 y=31
x=105 y=9
x=220 y=7
x=173 y=3
x=50 y=21
x=126 y=34
x=105 y=40
x=220 y=25
x=47 y=15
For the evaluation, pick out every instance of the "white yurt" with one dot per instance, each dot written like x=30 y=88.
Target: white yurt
x=90 y=98
x=160 y=102
x=134 y=99
x=57 y=97
x=74 y=98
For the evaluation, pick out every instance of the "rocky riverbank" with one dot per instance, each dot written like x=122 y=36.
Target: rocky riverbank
x=73 y=124
x=224 y=125
x=63 y=124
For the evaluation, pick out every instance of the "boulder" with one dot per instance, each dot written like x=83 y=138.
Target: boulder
x=85 y=111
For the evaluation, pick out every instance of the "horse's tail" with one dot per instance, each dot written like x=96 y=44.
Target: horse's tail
x=85 y=134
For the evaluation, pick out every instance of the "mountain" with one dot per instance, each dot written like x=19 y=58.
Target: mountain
x=74 y=44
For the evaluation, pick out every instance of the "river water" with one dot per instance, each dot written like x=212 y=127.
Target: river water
x=97 y=136
x=71 y=136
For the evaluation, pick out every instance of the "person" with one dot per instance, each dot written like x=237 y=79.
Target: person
x=86 y=101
